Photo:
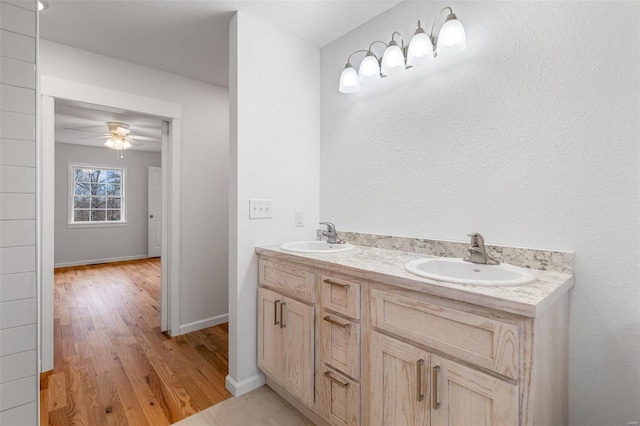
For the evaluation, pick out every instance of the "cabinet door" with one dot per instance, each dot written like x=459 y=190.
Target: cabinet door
x=270 y=335
x=298 y=346
x=463 y=396
x=398 y=382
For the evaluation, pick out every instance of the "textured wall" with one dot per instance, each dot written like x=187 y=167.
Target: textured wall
x=18 y=302
x=204 y=165
x=530 y=137
x=76 y=245
x=274 y=144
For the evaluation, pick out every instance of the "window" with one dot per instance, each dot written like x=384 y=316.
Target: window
x=96 y=195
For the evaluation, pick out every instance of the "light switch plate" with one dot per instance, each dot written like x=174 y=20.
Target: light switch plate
x=260 y=209
x=299 y=218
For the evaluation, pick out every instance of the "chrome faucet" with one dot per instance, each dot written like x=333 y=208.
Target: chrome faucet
x=477 y=251
x=331 y=234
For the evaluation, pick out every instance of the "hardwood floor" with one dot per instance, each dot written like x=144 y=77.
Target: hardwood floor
x=112 y=366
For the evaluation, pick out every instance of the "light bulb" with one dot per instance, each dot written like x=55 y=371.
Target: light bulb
x=452 y=38
x=420 y=49
x=369 y=69
x=393 y=60
x=349 y=82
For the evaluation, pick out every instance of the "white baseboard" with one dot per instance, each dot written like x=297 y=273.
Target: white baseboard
x=98 y=261
x=207 y=322
x=247 y=385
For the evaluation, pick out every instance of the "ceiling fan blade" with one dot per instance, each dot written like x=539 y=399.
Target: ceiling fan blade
x=143 y=138
x=95 y=137
x=134 y=142
x=84 y=130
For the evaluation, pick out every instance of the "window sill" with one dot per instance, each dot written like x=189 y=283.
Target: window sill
x=77 y=225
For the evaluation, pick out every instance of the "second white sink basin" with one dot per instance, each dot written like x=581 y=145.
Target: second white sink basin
x=315 y=247
x=458 y=271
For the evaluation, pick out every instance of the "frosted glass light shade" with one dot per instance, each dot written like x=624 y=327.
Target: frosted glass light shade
x=349 y=82
x=420 y=50
x=369 y=70
x=452 y=38
x=392 y=60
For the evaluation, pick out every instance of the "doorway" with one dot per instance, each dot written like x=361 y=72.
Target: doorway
x=57 y=92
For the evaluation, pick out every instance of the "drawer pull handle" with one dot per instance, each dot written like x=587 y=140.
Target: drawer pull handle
x=275 y=312
x=328 y=375
x=282 y=324
x=436 y=402
x=331 y=282
x=419 y=374
x=339 y=324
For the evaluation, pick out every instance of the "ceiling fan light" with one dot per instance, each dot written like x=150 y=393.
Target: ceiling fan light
x=126 y=144
x=110 y=143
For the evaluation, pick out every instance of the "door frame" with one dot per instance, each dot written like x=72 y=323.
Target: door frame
x=52 y=88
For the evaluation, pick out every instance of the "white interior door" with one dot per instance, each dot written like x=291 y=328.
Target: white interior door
x=155 y=211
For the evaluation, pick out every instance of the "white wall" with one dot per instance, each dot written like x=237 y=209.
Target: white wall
x=530 y=137
x=204 y=164
x=90 y=245
x=275 y=132
x=18 y=295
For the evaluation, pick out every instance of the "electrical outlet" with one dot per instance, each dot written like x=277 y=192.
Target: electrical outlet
x=299 y=218
x=260 y=209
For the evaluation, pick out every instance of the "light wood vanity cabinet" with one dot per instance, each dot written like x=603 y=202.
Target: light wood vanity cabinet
x=356 y=352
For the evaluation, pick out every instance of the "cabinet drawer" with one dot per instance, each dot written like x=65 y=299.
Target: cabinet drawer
x=341 y=295
x=339 y=398
x=340 y=344
x=486 y=342
x=289 y=279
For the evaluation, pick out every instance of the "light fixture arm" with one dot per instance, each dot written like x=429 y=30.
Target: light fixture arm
x=436 y=20
x=401 y=39
x=377 y=41
x=350 y=56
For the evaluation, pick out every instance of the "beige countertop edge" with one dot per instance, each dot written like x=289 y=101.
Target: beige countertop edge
x=436 y=288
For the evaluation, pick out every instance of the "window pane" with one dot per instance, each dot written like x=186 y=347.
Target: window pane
x=113 y=190
x=98 y=202
x=114 y=177
x=101 y=176
x=113 y=203
x=81 y=202
x=98 y=189
x=98 y=215
x=81 y=216
x=82 y=175
x=113 y=214
x=82 y=189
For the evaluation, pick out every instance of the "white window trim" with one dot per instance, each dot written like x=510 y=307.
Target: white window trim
x=71 y=185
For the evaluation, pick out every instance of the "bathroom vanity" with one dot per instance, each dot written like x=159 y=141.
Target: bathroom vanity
x=354 y=339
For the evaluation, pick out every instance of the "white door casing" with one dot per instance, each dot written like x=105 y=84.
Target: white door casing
x=155 y=212
x=52 y=88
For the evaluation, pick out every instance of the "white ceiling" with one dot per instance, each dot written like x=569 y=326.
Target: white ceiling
x=75 y=122
x=191 y=38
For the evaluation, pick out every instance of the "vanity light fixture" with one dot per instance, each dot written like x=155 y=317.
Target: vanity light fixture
x=422 y=49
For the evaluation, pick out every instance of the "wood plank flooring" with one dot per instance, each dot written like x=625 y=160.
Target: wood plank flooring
x=112 y=366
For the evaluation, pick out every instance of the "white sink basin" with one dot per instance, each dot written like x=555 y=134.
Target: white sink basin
x=460 y=272
x=315 y=247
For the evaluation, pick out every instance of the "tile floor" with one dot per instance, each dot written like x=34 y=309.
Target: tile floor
x=257 y=408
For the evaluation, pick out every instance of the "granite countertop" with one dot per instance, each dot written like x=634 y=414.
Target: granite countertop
x=387 y=266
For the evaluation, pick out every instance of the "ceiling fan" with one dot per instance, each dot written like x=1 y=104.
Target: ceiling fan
x=119 y=137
